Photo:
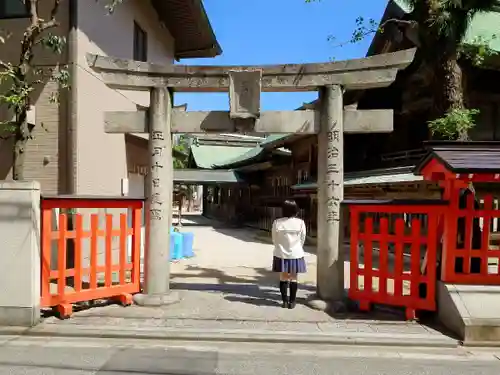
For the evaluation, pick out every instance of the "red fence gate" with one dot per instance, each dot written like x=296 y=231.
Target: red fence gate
x=393 y=252
x=80 y=236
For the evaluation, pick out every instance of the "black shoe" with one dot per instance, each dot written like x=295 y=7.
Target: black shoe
x=291 y=305
x=285 y=305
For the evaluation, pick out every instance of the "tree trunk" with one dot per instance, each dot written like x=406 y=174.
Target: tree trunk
x=449 y=88
x=189 y=197
x=19 y=152
x=179 y=223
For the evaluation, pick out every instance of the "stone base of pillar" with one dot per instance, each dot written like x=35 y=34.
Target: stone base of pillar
x=154 y=300
x=330 y=307
x=19 y=316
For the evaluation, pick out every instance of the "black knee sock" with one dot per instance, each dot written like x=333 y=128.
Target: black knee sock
x=284 y=290
x=293 y=291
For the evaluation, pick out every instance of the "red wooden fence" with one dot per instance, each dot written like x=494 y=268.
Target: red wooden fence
x=404 y=284
x=128 y=270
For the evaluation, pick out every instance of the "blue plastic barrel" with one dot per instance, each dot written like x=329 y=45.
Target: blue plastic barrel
x=187 y=244
x=175 y=246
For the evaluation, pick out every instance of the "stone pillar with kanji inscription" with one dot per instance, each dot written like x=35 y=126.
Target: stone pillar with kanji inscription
x=159 y=191
x=330 y=267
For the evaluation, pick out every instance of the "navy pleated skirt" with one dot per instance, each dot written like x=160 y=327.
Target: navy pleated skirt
x=289 y=265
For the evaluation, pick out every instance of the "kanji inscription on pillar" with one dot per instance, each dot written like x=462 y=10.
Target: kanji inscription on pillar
x=156 y=201
x=333 y=169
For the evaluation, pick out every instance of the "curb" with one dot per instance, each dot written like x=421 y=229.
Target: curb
x=256 y=336
x=480 y=344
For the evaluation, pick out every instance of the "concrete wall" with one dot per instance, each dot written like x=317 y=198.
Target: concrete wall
x=101 y=158
x=20 y=255
x=45 y=155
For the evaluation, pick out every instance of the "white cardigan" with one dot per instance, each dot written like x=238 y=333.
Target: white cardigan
x=289 y=236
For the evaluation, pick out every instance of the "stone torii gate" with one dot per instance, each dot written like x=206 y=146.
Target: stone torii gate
x=245 y=84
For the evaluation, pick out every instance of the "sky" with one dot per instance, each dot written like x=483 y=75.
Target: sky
x=253 y=32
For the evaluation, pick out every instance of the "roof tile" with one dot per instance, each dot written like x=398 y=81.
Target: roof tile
x=208 y=156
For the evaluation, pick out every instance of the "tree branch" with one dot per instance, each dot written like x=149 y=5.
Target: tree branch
x=362 y=31
x=4 y=65
x=398 y=22
x=53 y=13
x=6 y=137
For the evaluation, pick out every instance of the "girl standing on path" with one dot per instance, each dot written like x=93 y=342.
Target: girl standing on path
x=289 y=236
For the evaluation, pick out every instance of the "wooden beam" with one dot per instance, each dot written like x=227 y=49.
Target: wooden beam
x=370 y=72
x=368 y=121
x=213 y=121
x=305 y=122
x=369 y=79
x=399 y=60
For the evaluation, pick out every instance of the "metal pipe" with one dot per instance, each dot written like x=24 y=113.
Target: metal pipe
x=72 y=99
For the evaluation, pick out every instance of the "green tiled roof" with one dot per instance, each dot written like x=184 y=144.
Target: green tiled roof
x=278 y=140
x=387 y=179
x=388 y=176
x=305 y=186
x=248 y=156
x=484 y=25
x=253 y=154
x=207 y=156
x=273 y=138
x=187 y=176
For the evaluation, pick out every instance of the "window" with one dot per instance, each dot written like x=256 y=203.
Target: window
x=140 y=43
x=13 y=9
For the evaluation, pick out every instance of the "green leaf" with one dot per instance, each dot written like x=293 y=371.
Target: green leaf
x=55 y=43
x=455 y=124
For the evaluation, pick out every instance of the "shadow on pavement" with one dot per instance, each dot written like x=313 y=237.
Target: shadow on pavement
x=261 y=289
x=193 y=220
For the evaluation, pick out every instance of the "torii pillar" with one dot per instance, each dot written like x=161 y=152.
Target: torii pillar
x=330 y=246
x=159 y=190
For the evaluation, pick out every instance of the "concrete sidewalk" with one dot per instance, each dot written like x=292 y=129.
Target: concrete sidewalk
x=365 y=333
x=227 y=292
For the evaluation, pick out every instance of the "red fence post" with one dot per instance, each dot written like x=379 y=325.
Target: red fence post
x=384 y=256
x=354 y=254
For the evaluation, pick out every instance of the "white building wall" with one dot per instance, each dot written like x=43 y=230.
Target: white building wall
x=101 y=157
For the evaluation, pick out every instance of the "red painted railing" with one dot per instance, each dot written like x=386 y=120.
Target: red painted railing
x=395 y=239
x=469 y=257
x=66 y=279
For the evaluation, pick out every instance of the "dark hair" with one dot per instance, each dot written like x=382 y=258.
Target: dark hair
x=290 y=208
